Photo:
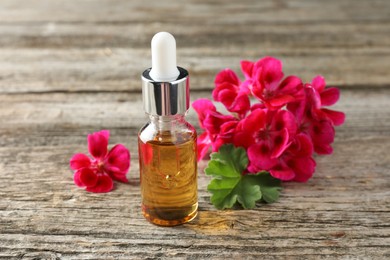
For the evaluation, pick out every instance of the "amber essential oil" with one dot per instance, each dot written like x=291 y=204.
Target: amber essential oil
x=168 y=174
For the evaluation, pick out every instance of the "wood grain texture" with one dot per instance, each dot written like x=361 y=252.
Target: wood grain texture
x=99 y=45
x=342 y=211
x=68 y=68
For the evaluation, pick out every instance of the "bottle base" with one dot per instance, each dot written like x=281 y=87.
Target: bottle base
x=169 y=217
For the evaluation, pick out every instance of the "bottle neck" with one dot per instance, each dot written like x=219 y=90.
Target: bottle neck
x=167 y=123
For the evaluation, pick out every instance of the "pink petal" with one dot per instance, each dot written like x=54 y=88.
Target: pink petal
x=259 y=156
x=225 y=86
x=119 y=156
x=302 y=146
x=291 y=84
x=257 y=88
x=279 y=101
x=318 y=83
x=282 y=172
x=228 y=128
x=105 y=133
x=227 y=75
x=323 y=148
x=227 y=132
x=88 y=177
x=257 y=106
x=79 y=160
x=314 y=97
x=322 y=134
x=104 y=184
x=298 y=109
x=117 y=162
x=322 y=131
x=271 y=72
x=202 y=107
x=255 y=121
x=284 y=119
x=329 y=96
x=281 y=143
x=241 y=105
x=244 y=88
x=214 y=120
x=304 y=168
x=218 y=142
x=203 y=145
x=97 y=143
x=243 y=139
x=336 y=117
x=247 y=68
x=226 y=97
x=76 y=179
x=270 y=116
x=300 y=94
x=120 y=177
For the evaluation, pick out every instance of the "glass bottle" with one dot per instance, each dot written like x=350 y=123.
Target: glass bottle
x=167 y=144
x=168 y=170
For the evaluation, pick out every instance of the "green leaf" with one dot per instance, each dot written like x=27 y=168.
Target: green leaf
x=227 y=159
x=229 y=186
x=270 y=187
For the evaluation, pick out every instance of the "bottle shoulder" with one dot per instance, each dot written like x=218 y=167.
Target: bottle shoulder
x=174 y=133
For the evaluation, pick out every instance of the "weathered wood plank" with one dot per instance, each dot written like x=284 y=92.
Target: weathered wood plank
x=124 y=110
x=97 y=45
x=260 y=35
x=68 y=68
x=343 y=211
x=231 y=12
x=24 y=70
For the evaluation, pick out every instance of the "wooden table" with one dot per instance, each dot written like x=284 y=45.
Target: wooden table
x=69 y=68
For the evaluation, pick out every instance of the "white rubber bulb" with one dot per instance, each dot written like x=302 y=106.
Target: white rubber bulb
x=164 y=58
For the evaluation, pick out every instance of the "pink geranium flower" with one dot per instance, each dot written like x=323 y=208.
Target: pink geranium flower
x=265 y=81
x=296 y=162
x=314 y=120
x=326 y=97
x=231 y=92
x=203 y=145
x=265 y=129
x=96 y=174
x=272 y=144
x=282 y=130
x=219 y=128
x=203 y=107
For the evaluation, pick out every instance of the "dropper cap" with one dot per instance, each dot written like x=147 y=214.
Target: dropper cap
x=164 y=57
x=165 y=87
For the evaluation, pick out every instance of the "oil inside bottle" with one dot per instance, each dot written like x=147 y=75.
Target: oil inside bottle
x=168 y=174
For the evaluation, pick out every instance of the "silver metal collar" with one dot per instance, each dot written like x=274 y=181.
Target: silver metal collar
x=166 y=98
